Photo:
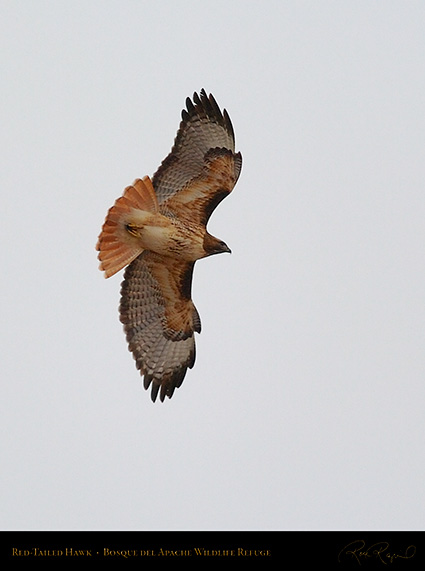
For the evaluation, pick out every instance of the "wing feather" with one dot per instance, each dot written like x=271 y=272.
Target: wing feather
x=159 y=320
x=197 y=200
x=204 y=131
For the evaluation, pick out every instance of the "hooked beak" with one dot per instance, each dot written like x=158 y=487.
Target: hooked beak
x=223 y=247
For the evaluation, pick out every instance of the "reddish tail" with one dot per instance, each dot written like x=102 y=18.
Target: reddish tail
x=116 y=246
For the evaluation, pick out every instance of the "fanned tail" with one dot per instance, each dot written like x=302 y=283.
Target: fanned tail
x=116 y=245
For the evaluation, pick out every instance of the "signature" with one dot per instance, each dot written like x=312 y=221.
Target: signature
x=379 y=551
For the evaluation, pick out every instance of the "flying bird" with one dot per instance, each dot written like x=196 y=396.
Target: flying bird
x=158 y=230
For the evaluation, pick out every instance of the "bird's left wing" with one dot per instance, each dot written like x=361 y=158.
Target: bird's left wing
x=159 y=320
x=202 y=167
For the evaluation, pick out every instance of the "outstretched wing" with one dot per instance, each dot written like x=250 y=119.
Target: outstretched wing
x=202 y=167
x=159 y=320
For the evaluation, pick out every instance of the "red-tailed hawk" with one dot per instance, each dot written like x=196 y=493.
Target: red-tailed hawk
x=158 y=227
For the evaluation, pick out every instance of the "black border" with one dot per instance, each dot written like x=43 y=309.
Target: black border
x=293 y=549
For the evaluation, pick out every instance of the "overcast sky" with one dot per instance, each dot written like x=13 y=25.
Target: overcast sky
x=305 y=409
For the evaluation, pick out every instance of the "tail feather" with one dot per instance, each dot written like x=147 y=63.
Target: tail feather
x=142 y=195
x=117 y=247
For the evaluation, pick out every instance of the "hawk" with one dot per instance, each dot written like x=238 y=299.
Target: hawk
x=157 y=228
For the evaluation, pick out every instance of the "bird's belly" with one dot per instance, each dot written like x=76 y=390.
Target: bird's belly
x=184 y=244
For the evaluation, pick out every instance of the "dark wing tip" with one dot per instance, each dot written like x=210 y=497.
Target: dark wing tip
x=228 y=124
x=154 y=391
x=213 y=105
x=166 y=387
x=189 y=105
x=198 y=99
x=205 y=105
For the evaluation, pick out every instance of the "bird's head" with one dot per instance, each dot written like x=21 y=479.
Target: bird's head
x=213 y=245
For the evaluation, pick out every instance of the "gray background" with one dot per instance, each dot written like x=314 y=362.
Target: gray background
x=305 y=407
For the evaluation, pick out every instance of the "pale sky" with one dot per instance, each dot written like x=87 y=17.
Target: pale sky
x=305 y=409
